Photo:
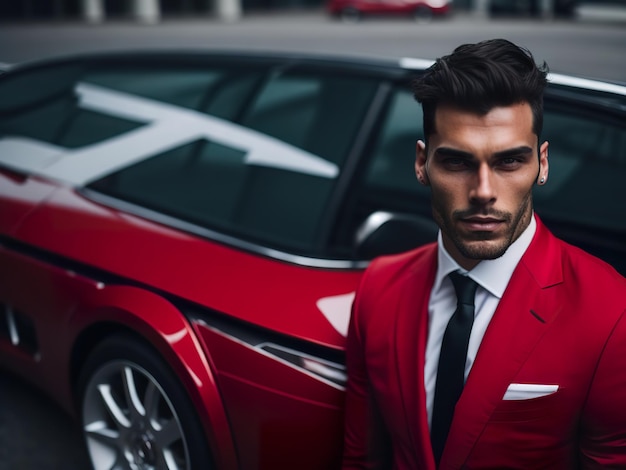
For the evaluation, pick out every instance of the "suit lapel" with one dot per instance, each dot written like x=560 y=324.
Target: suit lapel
x=524 y=314
x=411 y=332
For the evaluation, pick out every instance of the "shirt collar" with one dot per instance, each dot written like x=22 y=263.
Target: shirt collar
x=492 y=275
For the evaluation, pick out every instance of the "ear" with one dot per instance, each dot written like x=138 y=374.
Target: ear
x=420 y=163
x=544 y=165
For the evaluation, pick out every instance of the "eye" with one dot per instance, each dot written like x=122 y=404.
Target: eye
x=456 y=163
x=510 y=163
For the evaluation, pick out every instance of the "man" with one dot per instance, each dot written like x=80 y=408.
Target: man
x=524 y=367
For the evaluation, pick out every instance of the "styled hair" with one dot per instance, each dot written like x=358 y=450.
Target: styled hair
x=478 y=77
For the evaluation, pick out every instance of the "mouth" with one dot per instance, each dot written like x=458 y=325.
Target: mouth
x=482 y=224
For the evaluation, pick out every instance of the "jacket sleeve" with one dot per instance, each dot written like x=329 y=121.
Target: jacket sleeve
x=603 y=439
x=366 y=443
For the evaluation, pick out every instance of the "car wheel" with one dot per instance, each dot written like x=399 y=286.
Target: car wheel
x=423 y=14
x=135 y=414
x=350 y=15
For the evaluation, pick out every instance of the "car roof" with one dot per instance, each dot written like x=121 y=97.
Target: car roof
x=372 y=63
x=197 y=56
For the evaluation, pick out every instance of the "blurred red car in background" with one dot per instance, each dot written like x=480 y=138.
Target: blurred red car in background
x=423 y=10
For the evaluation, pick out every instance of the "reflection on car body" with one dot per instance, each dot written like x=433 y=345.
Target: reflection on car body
x=166 y=127
x=181 y=236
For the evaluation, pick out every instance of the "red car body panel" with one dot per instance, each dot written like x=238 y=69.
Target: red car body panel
x=278 y=296
x=21 y=194
x=283 y=407
x=75 y=307
x=265 y=399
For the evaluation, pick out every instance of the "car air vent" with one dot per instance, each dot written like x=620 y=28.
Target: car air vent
x=18 y=329
x=328 y=370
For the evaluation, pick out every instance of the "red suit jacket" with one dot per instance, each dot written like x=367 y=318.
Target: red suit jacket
x=561 y=321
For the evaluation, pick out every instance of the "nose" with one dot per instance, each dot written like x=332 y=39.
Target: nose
x=483 y=191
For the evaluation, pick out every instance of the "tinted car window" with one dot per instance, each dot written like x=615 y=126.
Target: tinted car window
x=319 y=114
x=186 y=87
x=393 y=157
x=587 y=166
x=219 y=91
x=44 y=105
x=212 y=185
x=388 y=182
x=270 y=183
x=583 y=201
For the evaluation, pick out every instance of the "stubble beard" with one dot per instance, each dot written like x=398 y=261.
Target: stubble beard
x=472 y=248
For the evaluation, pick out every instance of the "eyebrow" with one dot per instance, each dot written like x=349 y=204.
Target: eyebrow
x=451 y=152
x=523 y=150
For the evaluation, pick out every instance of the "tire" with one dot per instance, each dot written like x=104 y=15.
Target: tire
x=134 y=412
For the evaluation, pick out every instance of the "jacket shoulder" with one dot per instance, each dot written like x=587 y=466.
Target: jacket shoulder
x=389 y=267
x=583 y=265
x=387 y=280
x=388 y=275
x=595 y=284
x=552 y=261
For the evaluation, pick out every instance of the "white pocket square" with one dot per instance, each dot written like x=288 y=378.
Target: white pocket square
x=528 y=391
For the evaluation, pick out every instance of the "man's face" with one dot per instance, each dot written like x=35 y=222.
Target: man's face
x=481 y=170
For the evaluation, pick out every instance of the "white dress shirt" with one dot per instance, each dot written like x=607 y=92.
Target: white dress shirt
x=492 y=277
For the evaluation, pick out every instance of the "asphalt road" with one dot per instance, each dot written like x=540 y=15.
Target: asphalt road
x=592 y=48
x=34 y=433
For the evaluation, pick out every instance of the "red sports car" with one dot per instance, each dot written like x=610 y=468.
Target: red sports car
x=181 y=236
x=421 y=10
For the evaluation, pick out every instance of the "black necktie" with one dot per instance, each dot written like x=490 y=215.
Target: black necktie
x=451 y=369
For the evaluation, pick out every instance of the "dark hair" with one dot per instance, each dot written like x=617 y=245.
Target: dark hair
x=479 y=77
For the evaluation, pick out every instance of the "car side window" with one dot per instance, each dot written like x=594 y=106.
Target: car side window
x=185 y=87
x=388 y=182
x=583 y=201
x=587 y=158
x=45 y=106
x=267 y=177
x=221 y=91
x=392 y=165
x=317 y=113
